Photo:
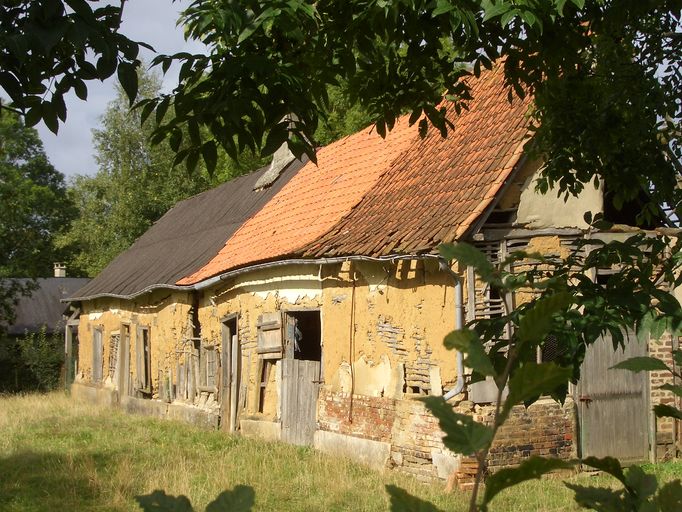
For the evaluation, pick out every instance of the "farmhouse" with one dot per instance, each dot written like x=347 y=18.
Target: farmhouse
x=307 y=303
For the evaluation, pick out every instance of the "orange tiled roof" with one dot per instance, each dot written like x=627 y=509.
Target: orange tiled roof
x=370 y=196
x=442 y=186
x=313 y=201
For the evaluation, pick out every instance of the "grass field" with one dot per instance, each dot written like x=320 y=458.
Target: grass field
x=56 y=454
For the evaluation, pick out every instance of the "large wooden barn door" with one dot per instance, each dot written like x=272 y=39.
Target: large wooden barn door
x=124 y=376
x=231 y=376
x=613 y=405
x=301 y=367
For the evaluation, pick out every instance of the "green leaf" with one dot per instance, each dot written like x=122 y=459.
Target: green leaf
x=127 y=76
x=462 y=434
x=529 y=469
x=80 y=88
x=239 y=499
x=33 y=116
x=105 y=67
x=494 y=9
x=532 y=380
x=641 y=364
x=402 y=501
x=209 y=152
x=666 y=411
x=677 y=357
x=50 y=117
x=597 y=498
x=537 y=322
x=670 y=496
x=579 y=3
x=191 y=161
x=644 y=327
x=246 y=33
x=11 y=85
x=608 y=465
x=59 y=106
x=442 y=7
x=677 y=390
x=643 y=484
x=467 y=341
x=159 y=501
x=469 y=256
x=161 y=109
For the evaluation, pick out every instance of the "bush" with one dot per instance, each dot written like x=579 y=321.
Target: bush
x=43 y=355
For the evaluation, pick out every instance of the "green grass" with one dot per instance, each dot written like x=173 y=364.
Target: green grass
x=57 y=454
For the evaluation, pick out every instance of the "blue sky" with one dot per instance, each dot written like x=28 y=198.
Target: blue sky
x=152 y=21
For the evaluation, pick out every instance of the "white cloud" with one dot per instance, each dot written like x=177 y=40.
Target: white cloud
x=151 y=21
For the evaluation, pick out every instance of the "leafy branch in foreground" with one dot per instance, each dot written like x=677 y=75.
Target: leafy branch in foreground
x=562 y=302
x=52 y=47
x=604 y=76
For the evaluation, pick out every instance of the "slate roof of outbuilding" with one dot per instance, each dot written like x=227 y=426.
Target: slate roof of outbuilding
x=43 y=307
x=374 y=197
x=185 y=238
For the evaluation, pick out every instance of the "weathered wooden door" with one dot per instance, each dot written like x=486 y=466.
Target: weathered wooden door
x=300 y=389
x=613 y=405
x=124 y=362
x=230 y=377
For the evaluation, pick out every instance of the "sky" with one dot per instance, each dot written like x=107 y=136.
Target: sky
x=151 y=21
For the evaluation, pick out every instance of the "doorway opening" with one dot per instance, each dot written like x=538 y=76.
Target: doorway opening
x=307 y=335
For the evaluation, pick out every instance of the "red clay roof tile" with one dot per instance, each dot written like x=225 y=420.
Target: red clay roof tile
x=375 y=197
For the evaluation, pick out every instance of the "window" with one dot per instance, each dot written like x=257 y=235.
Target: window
x=209 y=368
x=265 y=369
x=97 y=355
x=114 y=343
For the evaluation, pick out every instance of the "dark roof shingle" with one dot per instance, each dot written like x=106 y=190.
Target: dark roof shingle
x=185 y=238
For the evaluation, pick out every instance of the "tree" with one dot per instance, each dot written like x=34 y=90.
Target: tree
x=34 y=209
x=50 y=47
x=133 y=187
x=604 y=74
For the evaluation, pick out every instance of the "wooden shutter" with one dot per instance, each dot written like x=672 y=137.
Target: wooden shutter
x=139 y=359
x=97 y=355
x=270 y=336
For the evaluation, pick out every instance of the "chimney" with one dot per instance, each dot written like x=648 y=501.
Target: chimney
x=60 y=269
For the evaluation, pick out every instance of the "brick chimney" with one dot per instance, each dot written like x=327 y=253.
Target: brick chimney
x=60 y=269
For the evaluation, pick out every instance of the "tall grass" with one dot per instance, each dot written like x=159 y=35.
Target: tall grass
x=58 y=454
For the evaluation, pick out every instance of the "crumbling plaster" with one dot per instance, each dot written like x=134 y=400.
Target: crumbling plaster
x=167 y=314
x=537 y=210
x=356 y=300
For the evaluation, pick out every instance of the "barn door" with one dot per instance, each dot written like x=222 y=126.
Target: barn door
x=124 y=376
x=613 y=405
x=301 y=376
x=230 y=377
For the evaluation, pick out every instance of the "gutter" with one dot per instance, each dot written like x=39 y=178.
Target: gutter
x=207 y=283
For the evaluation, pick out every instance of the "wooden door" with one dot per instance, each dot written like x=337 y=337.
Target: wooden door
x=300 y=389
x=613 y=405
x=230 y=377
x=124 y=362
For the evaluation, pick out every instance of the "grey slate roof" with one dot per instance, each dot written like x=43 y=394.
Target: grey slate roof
x=44 y=307
x=184 y=239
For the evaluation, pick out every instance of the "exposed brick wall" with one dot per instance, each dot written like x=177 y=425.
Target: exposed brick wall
x=662 y=349
x=366 y=417
x=416 y=437
x=546 y=429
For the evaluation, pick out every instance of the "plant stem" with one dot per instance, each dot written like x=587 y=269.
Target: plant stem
x=482 y=455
